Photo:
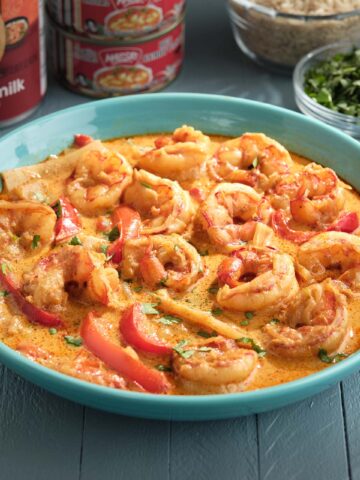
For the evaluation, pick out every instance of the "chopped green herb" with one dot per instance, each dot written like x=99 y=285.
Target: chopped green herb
x=249 y=315
x=4 y=268
x=216 y=311
x=244 y=323
x=169 y=319
x=163 y=368
x=255 y=163
x=113 y=235
x=324 y=357
x=4 y=293
x=146 y=185
x=180 y=351
x=213 y=289
x=249 y=341
x=57 y=209
x=203 y=253
x=52 y=331
x=14 y=237
x=75 y=241
x=274 y=321
x=204 y=349
x=163 y=281
x=103 y=249
x=138 y=289
x=76 y=342
x=204 y=334
x=35 y=241
x=335 y=83
x=148 y=308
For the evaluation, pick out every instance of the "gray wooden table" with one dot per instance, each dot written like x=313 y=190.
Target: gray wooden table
x=43 y=437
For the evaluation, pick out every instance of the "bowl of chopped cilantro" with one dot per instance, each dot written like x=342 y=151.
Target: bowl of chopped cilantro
x=327 y=86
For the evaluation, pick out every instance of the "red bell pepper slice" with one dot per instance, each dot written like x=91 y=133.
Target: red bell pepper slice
x=347 y=222
x=33 y=313
x=130 y=328
x=80 y=139
x=116 y=357
x=68 y=221
x=128 y=222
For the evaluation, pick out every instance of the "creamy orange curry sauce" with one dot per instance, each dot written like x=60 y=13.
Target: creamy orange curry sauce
x=179 y=263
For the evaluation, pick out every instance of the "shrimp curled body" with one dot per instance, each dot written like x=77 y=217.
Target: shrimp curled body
x=317 y=319
x=220 y=367
x=256 y=278
x=230 y=214
x=162 y=260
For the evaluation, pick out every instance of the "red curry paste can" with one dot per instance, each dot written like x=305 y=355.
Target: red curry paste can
x=104 y=19
x=22 y=59
x=103 y=69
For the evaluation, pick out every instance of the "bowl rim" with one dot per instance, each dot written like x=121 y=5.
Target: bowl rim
x=302 y=67
x=19 y=363
x=272 y=12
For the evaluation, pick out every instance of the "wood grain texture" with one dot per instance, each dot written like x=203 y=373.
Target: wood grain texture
x=214 y=450
x=117 y=448
x=304 y=441
x=351 y=408
x=40 y=434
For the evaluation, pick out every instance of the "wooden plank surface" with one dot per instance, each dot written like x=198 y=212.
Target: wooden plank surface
x=40 y=434
x=117 y=448
x=304 y=441
x=351 y=409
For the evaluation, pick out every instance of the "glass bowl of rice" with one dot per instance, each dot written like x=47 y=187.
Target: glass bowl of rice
x=278 y=33
x=322 y=72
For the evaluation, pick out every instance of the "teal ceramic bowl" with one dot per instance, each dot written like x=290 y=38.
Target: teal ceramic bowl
x=160 y=113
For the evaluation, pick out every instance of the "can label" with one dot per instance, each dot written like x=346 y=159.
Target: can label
x=102 y=70
x=22 y=58
x=115 y=18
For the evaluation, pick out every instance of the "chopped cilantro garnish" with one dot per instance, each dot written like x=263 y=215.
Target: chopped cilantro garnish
x=213 y=289
x=4 y=293
x=148 y=308
x=57 y=209
x=180 y=351
x=169 y=319
x=324 y=357
x=203 y=349
x=76 y=342
x=163 y=368
x=35 y=241
x=103 y=249
x=113 y=235
x=4 y=268
x=249 y=315
x=163 y=281
x=203 y=253
x=138 y=289
x=204 y=334
x=146 y=185
x=274 y=321
x=216 y=311
x=75 y=241
x=249 y=341
x=255 y=163
x=52 y=331
x=244 y=323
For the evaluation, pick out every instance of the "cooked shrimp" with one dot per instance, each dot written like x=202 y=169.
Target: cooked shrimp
x=316 y=319
x=215 y=366
x=250 y=159
x=256 y=278
x=166 y=260
x=163 y=205
x=181 y=157
x=330 y=254
x=20 y=223
x=71 y=270
x=231 y=212
x=319 y=199
x=98 y=181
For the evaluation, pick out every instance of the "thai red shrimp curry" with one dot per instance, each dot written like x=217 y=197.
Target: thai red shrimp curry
x=179 y=263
